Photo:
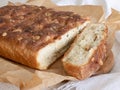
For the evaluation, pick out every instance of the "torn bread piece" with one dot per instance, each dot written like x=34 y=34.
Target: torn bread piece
x=37 y=36
x=87 y=53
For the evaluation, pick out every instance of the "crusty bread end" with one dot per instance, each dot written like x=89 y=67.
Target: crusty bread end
x=87 y=53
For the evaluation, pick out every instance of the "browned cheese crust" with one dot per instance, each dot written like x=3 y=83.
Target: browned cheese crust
x=95 y=62
x=25 y=29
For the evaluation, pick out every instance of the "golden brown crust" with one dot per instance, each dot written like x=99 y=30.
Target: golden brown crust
x=96 y=61
x=107 y=65
x=26 y=29
x=18 y=53
x=36 y=26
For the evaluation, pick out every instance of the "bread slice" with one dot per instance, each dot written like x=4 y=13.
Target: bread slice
x=37 y=36
x=87 y=53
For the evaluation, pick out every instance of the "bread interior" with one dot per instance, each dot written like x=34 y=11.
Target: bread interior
x=85 y=44
x=52 y=51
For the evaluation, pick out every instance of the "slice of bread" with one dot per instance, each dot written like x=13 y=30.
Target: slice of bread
x=87 y=53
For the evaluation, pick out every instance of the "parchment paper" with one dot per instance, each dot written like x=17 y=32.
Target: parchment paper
x=30 y=79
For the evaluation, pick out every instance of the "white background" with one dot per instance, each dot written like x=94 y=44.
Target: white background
x=113 y=3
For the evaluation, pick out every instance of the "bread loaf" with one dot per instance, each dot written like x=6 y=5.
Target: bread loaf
x=37 y=36
x=87 y=53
